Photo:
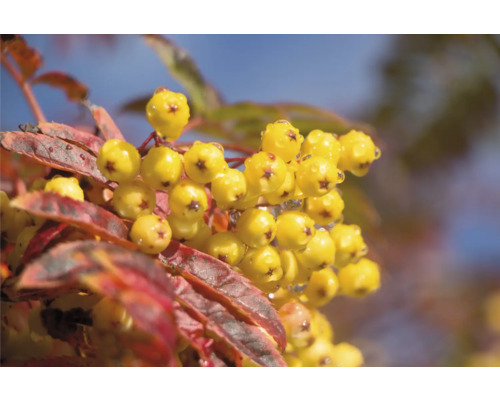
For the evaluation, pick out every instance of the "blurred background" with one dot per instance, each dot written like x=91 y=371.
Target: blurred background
x=429 y=208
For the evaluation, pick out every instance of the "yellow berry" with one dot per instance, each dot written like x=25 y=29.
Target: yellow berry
x=316 y=176
x=133 y=199
x=188 y=199
x=322 y=287
x=182 y=228
x=229 y=187
x=357 y=153
x=200 y=240
x=118 y=160
x=282 y=139
x=286 y=191
x=152 y=233
x=262 y=264
x=256 y=227
x=294 y=230
x=68 y=187
x=109 y=315
x=349 y=244
x=226 y=247
x=161 y=169
x=346 y=355
x=360 y=279
x=320 y=326
x=296 y=318
x=168 y=113
x=265 y=172
x=318 y=354
x=319 y=252
x=319 y=143
x=325 y=209
x=204 y=161
x=290 y=267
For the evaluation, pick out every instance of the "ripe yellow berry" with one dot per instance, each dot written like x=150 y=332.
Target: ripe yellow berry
x=318 y=354
x=109 y=315
x=256 y=227
x=188 y=199
x=286 y=191
x=360 y=279
x=296 y=318
x=249 y=200
x=118 y=160
x=204 y=161
x=320 y=326
x=322 y=287
x=265 y=172
x=161 y=169
x=319 y=252
x=168 y=113
x=68 y=187
x=152 y=233
x=229 y=187
x=262 y=264
x=325 y=209
x=226 y=247
x=346 y=355
x=357 y=153
x=133 y=199
x=349 y=244
x=294 y=230
x=323 y=144
x=182 y=228
x=316 y=176
x=282 y=139
x=290 y=267
x=200 y=240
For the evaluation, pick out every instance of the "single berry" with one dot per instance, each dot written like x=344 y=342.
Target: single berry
x=161 y=169
x=360 y=279
x=226 y=247
x=286 y=191
x=319 y=252
x=290 y=267
x=325 y=209
x=294 y=230
x=184 y=229
x=318 y=354
x=118 y=160
x=133 y=199
x=357 y=153
x=265 y=172
x=346 y=355
x=323 y=144
x=316 y=176
x=200 y=240
x=256 y=227
x=152 y=233
x=262 y=264
x=349 y=244
x=229 y=187
x=204 y=161
x=68 y=187
x=322 y=287
x=188 y=199
x=282 y=139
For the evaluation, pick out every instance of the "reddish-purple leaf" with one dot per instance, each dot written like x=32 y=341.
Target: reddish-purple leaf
x=52 y=151
x=63 y=361
x=87 y=216
x=84 y=139
x=74 y=89
x=105 y=123
x=27 y=58
x=248 y=340
x=218 y=281
x=45 y=235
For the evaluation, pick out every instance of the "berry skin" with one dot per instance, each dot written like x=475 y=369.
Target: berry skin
x=229 y=187
x=360 y=279
x=318 y=354
x=204 y=161
x=199 y=241
x=320 y=326
x=290 y=267
x=296 y=319
x=168 y=113
x=184 y=229
x=23 y=240
x=68 y=187
x=13 y=220
x=322 y=287
x=226 y=247
x=286 y=191
x=152 y=233
x=188 y=199
x=262 y=264
x=118 y=160
x=161 y=169
x=294 y=230
x=323 y=144
x=109 y=315
x=319 y=252
x=357 y=153
x=282 y=139
x=316 y=176
x=346 y=355
x=265 y=172
x=133 y=199
x=325 y=209
x=256 y=228
x=349 y=244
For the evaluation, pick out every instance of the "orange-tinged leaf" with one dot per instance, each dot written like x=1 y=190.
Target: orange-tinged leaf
x=74 y=89
x=87 y=216
x=27 y=58
x=104 y=122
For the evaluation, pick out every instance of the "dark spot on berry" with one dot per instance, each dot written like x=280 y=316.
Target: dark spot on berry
x=292 y=136
x=165 y=184
x=161 y=234
x=271 y=156
x=143 y=205
x=364 y=165
x=325 y=361
x=110 y=166
x=194 y=205
x=238 y=196
x=269 y=234
x=222 y=257
x=285 y=194
x=324 y=184
x=150 y=246
x=69 y=147
x=321 y=292
x=201 y=165
x=173 y=108
x=268 y=173
x=307 y=231
x=270 y=272
x=362 y=291
x=51 y=149
x=323 y=265
x=325 y=214
x=305 y=326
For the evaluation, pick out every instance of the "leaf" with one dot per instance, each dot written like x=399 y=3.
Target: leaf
x=63 y=361
x=54 y=152
x=27 y=58
x=81 y=138
x=104 y=122
x=137 y=105
x=75 y=90
x=87 y=216
x=45 y=235
x=216 y=280
x=182 y=67
x=248 y=340
x=359 y=208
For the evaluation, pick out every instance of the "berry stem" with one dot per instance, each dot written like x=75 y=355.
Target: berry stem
x=142 y=147
x=26 y=89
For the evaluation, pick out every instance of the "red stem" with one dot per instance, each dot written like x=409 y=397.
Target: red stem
x=26 y=89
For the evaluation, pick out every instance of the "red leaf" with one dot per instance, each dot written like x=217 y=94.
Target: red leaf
x=45 y=235
x=63 y=361
x=28 y=59
x=105 y=123
x=54 y=152
x=74 y=89
x=248 y=340
x=72 y=135
x=87 y=216
x=218 y=281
